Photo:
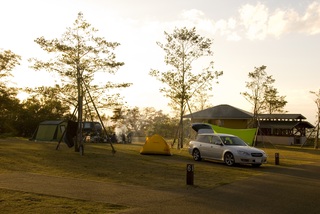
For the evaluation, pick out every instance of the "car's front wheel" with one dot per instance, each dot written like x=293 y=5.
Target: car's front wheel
x=229 y=159
x=196 y=155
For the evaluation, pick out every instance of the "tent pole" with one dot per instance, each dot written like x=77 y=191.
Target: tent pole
x=86 y=88
x=309 y=136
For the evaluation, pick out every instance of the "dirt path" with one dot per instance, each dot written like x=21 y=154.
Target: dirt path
x=138 y=198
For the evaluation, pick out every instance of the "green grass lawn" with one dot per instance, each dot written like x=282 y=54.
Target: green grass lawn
x=126 y=166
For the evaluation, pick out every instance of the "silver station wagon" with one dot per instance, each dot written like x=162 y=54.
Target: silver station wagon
x=227 y=148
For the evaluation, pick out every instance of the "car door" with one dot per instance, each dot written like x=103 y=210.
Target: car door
x=216 y=147
x=204 y=145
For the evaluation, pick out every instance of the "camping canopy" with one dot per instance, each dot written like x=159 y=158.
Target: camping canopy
x=155 y=145
x=50 y=130
x=247 y=135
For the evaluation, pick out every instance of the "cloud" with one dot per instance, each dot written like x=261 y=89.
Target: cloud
x=227 y=29
x=311 y=19
x=254 y=19
x=192 y=14
x=197 y=18
x=290 y=21
x=257 y=22
x=278 y=22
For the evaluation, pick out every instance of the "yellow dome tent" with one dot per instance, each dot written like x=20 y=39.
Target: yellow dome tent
x=155 y=145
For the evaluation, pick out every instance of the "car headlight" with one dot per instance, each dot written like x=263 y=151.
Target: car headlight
x=263 y=152
x=243 y=153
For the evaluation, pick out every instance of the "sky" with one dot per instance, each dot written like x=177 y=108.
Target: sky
x=283 y=35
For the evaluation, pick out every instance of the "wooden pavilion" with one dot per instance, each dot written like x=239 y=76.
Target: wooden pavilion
x=286 y=129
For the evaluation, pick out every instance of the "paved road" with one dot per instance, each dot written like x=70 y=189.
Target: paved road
x=279 y=190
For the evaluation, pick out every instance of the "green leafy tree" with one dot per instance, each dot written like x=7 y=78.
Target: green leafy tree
x=317 y=102
x=257 y=87
x=134 y=121
x=39 y=107
x=182 y=48
x=201 y=101
x=8 y=60
x=10 y=108
x=165 y=125
x=262 y=95
x=145 y=122
x=9 y=104
x=118 y=117
x=273 y=102
x=76 y=58
x=156 y=122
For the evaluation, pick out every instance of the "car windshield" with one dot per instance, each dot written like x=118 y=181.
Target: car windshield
x=232 y=141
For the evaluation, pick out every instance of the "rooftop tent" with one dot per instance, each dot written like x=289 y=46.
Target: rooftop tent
x=155 y=145
x=50 y=130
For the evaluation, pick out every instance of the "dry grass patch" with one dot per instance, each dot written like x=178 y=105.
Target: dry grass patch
x=292 y=155
x=127 y=166
x=23 y=202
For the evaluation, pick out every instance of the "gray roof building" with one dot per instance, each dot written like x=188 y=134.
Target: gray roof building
x=220 y=112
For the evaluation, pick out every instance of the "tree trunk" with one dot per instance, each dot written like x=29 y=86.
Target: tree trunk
x=78 y=142
x=181 y=134
x=317 y=138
